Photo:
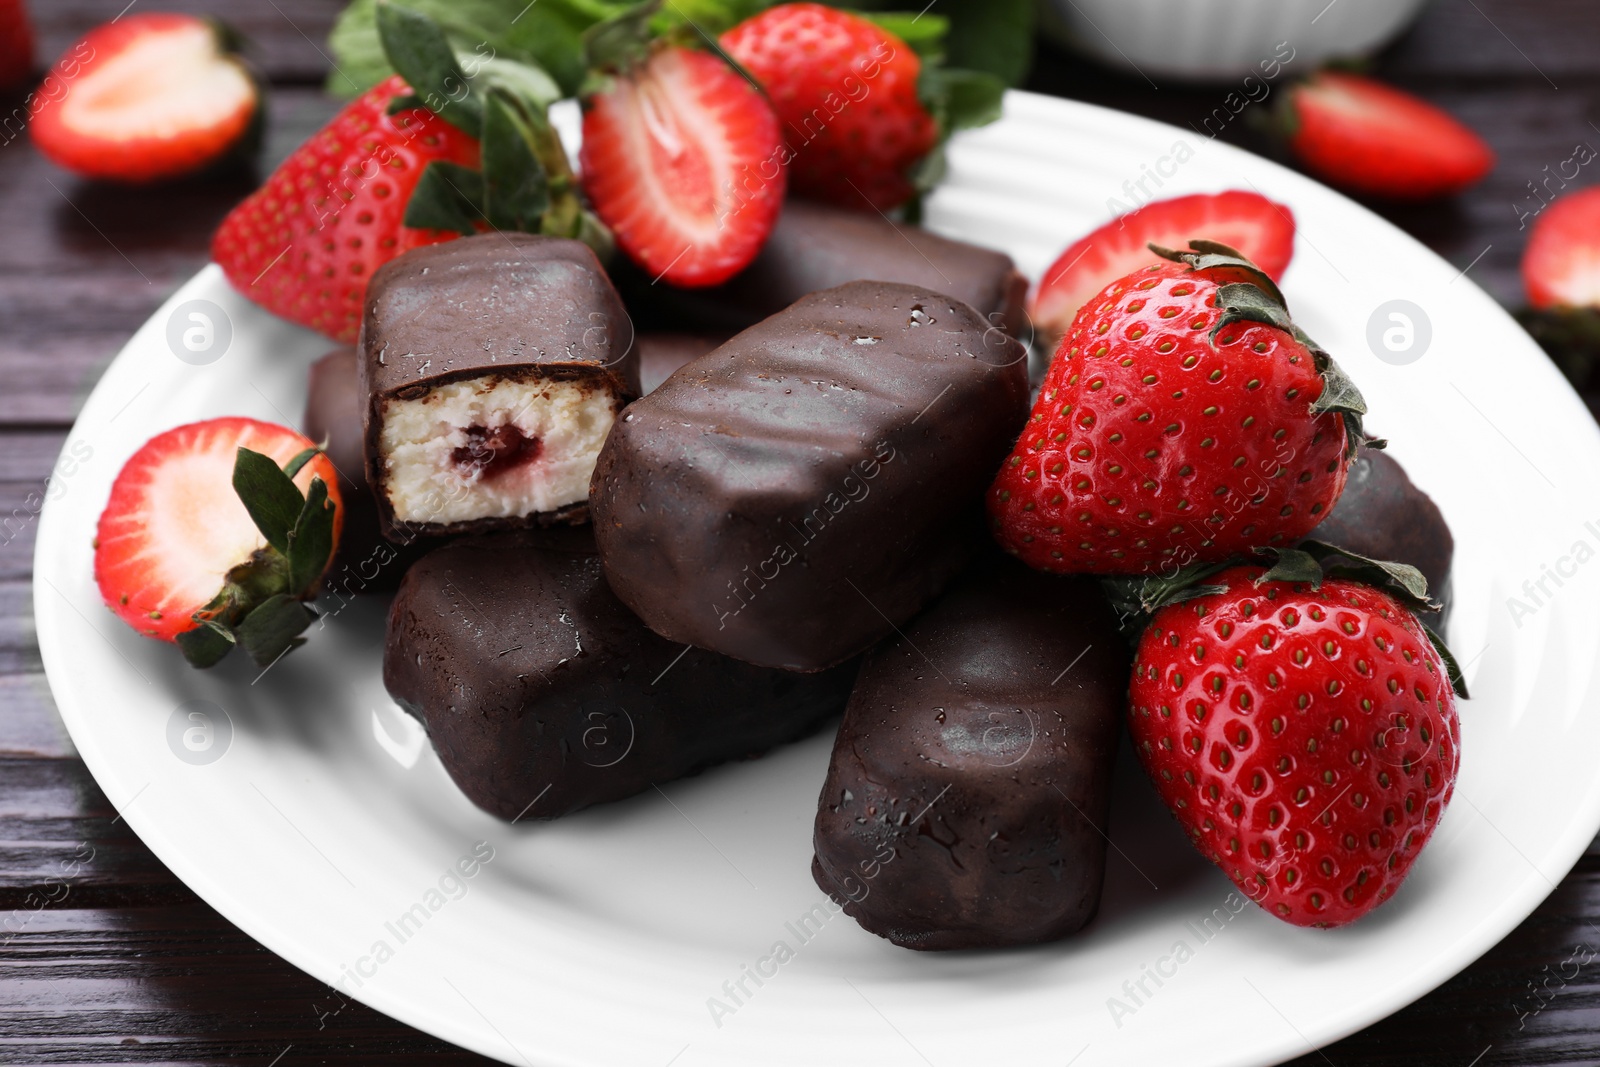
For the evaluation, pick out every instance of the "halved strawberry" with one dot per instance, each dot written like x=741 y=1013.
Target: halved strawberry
x=1374 y=139
x=1259 y=228
x=685 y=161
x=1561 y=267
x=216 y=533
x=157 y=96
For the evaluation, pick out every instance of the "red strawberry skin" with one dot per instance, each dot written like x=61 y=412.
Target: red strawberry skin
x=152 y=96
x=16 y=44
x=846 y=91
x=1307 y=740
x=1151 y=447
x=1261 y=229
x=683 y=159
x=305 y=243
x=174 y=525
x=1561 y=267
x=1374 y=139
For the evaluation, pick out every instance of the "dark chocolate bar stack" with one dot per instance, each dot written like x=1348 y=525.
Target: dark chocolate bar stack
x=636 y=554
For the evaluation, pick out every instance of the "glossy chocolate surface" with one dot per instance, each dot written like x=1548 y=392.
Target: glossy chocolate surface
x=511 y=306
x=1383 y=515
x=543 y=694
x=816 y=246
x=794 y=495
x=966 y=801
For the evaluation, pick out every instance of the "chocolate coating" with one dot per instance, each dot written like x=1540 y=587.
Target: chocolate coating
x=966 y=801
x=661 y=352
x=364 y=561
x=793 y=496
x=508 y=306
x=816 y=246
x=1383 y=515
x=535 y=683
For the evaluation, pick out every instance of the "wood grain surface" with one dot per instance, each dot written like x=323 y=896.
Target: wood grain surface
x=117 y=962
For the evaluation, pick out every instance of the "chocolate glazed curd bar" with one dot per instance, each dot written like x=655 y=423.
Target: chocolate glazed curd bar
x=492 y=369
x=816 y=246
x=793 y=496
x=543 y=694
x=966 y=800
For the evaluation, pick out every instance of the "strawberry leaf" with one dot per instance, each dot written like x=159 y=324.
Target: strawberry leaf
x=925 y=33
x=525 y=81
x=1135 y=599
x=1245 y=302
x=622 y=41
x=1458 y=681
x=516 y=190
x=295 y=465
x=1293 y=565
x=311 y=542
x=960 y=99
x=422 y=55
x=268 y=494
x=273 y=628
x=1400 y=580
x=448 y=196
x=1340 y=394
x=205 y=645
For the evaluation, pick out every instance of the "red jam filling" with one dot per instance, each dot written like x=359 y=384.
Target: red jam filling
x=493 y=452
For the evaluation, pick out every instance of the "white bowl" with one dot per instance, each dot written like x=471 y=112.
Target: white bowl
x=1224 y=39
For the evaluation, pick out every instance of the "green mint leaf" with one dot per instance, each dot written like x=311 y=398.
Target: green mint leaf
x=311 y=542
x=205 y=645
x=273 y=628
x=268 y=494
x=418 y=49
x=448 y=196
x=516 y=190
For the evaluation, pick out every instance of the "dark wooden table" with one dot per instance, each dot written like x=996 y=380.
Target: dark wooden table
x=121 y=963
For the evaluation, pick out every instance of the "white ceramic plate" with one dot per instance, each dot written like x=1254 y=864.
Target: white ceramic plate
x=599 y=939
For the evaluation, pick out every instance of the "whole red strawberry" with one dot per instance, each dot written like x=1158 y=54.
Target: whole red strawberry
x=683 y=160
x=397 y=169
x=1304 y=733
x=1184 y=418
x=846 y=90
x=305 y=243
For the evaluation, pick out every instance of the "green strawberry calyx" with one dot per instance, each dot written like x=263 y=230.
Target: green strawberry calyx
x=525 y=182
x=262 y=604
x=1311 y=562
x=1247 y=294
